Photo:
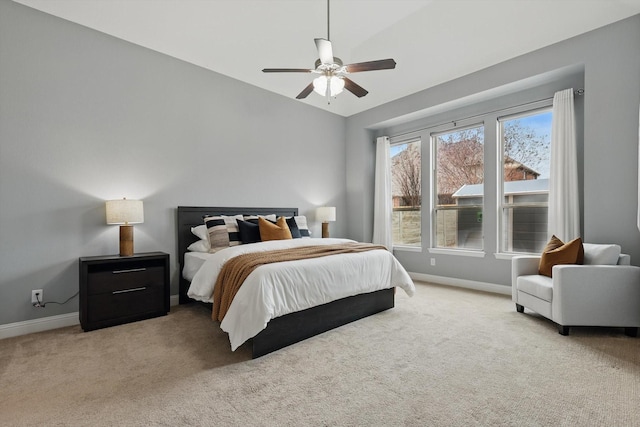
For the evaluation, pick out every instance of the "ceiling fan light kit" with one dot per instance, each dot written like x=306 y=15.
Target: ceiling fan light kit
x=334 y=84
x=333 y=74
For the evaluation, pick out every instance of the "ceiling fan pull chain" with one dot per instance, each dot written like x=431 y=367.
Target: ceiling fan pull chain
x=328 y=91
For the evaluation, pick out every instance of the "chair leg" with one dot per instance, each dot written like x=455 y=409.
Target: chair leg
x=519 y=308
x=631 y=332
x=563 y=330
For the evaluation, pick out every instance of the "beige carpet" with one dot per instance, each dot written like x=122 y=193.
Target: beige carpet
x=445 y=357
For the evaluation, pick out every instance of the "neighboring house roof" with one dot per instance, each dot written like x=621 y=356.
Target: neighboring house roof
x=510 y=163
x=531 y=186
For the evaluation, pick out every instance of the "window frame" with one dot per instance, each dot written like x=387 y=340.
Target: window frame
x=454 y=126
x=506 y=114
x=409 y=139
x=467 y=112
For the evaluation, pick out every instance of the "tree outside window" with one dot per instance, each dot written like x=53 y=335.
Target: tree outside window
x=459 y=178
x=526 y=150
x=406 y=183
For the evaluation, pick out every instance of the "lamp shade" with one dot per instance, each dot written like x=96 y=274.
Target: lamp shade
x=124 y=211
x=326 y=214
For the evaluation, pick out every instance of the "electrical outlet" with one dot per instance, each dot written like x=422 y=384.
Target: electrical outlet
x=433 y=261
x=36 y=296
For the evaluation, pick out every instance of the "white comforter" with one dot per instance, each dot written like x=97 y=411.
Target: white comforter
x=274 y=290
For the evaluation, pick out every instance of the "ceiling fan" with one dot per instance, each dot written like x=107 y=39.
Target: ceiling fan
x=333 y=74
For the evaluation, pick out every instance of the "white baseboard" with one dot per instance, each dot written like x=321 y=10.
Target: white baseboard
x=51 y=322
x=39 y=325
x=462 y=283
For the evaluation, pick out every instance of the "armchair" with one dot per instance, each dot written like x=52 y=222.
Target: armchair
x=602 y=292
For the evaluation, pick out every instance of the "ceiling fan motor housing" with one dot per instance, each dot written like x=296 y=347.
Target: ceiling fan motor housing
x=336 y=62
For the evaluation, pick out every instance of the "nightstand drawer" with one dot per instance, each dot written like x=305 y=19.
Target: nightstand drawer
x=134 y=302
x=125 y=279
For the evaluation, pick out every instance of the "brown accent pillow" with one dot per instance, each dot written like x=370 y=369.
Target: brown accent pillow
x=270 y=231
x=554 y=243
x=567 y=253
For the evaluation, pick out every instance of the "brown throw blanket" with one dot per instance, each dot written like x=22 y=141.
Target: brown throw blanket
x=237 y=269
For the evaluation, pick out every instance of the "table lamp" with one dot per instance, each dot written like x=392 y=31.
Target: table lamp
x=325 y=214
x=125 y=212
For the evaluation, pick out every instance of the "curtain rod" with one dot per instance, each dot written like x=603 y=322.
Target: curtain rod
x=578 y=92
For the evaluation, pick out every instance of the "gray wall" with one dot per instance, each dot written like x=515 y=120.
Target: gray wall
x=85 y=117
x=608 y=59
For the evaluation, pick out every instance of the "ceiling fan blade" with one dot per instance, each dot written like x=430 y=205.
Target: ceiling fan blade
x=305 y=92
x=381 y=64
x=325 y=51
x=354 y=88
x=286 y=70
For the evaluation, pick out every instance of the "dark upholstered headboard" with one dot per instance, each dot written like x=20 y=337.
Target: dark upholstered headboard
x=192 y=216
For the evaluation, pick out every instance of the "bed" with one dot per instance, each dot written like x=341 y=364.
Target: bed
x=289 y=328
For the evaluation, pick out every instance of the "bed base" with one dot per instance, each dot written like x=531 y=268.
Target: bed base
x=294 y=327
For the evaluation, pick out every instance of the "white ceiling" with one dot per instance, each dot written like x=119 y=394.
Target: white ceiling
x=432 y=41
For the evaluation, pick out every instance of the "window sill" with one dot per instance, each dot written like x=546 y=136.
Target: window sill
x=509 y=255
x=458 y=252
x=407 y=248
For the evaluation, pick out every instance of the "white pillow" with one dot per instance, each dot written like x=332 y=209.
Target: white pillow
x=596 y=254
x=201 y=232
x=199 y=246
x=203 y=244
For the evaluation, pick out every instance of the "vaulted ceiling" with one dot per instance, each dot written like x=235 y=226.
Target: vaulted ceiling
x=432 y=41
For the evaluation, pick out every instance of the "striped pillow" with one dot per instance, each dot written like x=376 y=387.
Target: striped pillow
x=217 y=231
x=301 y=222
x=232 y=229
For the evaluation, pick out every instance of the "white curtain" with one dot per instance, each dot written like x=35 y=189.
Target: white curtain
x=564 y=203
x=382 y=201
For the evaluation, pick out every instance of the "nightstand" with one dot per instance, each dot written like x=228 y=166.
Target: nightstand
x=119 y=289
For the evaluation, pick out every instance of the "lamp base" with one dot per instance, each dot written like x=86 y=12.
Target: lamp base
x=325 y=230
x=126 y=240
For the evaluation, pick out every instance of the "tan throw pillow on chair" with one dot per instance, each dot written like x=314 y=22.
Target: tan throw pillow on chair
x=566 y=253
x=554 y=243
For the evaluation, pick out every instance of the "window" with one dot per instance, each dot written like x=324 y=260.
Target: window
x=458 y=188
x=406 y=182
x=487 y=181
x=526 y=149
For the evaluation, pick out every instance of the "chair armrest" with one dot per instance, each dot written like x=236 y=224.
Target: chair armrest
x=522 y=265
x=584 y=277
x=596 y=294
